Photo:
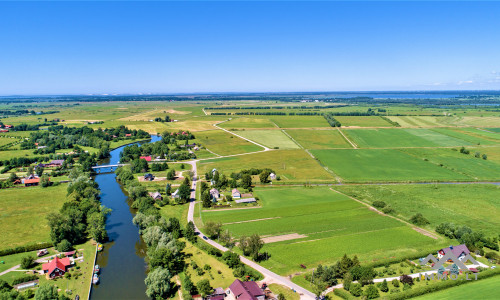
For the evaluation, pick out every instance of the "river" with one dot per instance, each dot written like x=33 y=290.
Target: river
x=123 y=268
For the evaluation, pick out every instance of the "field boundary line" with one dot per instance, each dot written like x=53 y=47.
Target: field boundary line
x=290 y=137
x=249 y=221
x=349 y=141
x=241 y=137
x=416 y=228
x=212 y=152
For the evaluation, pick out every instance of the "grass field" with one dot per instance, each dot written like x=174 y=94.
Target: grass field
x=380 y=165
x=473 y=205
x=482 y=289
x=224 y=143
x=331 y=224
x=269 y=138
x=5 y=140
x=363 y=121
x=300 y=121
x=243 y=122
x=319 y=139
x=280 y=289
x=23 y=214
x=423 y=121
x=290 y=165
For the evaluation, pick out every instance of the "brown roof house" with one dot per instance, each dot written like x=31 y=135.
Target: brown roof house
x=244 y=290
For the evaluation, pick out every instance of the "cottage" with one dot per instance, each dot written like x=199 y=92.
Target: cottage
x=31 y=182
x=156 y=196
x=56 y=267
x=245 y=290
x=218 y=294
x=56 y=163
x=176 y=194
x=272 y=176
x=235 y=194
x=459 y=251
x=146 y=158
x=8 y=126
x=128 y=135
x=214 y=193
x=149 y=177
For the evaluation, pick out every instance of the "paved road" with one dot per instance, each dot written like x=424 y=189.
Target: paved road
x=304 y=294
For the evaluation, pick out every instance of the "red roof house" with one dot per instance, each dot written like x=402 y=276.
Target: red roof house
x=128 y=134
x=56 y=267
x=147 y=158
x=245 y=290
x=31 y=182
x=8 y=126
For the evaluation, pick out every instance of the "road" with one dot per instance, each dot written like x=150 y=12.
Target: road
x=228 y=131
x=304 y=294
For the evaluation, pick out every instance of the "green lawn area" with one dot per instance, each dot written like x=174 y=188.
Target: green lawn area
x=379 y=165
x=281 y=289
x=363 y=121
x=471 y=135
x=328 y=225
x=6 y=140
x=23 y=213
x=224 y=143
x=480 y=289
x=422 y=121
x=269 y=138
x=244 y=122
x=300 y=121
x=474 y=205
x=290 y=165
x=319 y=139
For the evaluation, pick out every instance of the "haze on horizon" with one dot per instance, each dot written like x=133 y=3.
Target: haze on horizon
x=192 y=47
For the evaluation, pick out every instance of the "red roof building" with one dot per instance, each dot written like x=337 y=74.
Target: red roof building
x=56 y=267
x=4 y=130
x=245 y=290
x=31 y=182
x=147 y=158
x=128 y=134
x=8 y=126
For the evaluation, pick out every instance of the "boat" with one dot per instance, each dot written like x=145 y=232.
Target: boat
x=97 y=269
x=99 y=247
x=95 y=279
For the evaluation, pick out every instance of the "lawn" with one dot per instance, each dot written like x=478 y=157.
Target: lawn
x=244 y=122
x=6 y=140
x=223 y=143
x=319 y=139
x=300 y=121
x=481 y=289
x=269 y=138
x=326 y=225
x=281 y=289
x=23 y=213
x=363 y=121
x=290 y=165
x=474 y=205
x=379 y=165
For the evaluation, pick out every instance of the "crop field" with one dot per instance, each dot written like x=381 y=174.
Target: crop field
x=290 y=165
x=362 y=121
x=423 y=121
x=485 y=289
x=490 y=121
x=243 y=122
x=23 y=213
x=497 y=130
x=319 y=139
x=332 y=224
x=300 y=121
x=224 y=143
x=380 y=165
x=5 y=140
x=269 y=138
x=473 y=205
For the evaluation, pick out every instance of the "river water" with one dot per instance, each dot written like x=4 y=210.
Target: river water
x=123 y=268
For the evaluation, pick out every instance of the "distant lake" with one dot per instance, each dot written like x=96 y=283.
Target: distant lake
x=405 y=95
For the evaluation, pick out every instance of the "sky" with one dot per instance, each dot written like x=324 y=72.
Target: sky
x=194 y=47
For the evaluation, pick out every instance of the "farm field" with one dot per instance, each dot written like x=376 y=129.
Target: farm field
x=5 y=140
x=379 y=165
x=362 y=121
x=224 y=143
x=487 y=121
x=486 y=289
x=269 y=138
x=326 y=225
x=497 y=130
x=319 y=139
x=300 y=121
x=424 y=121
x=472 y=135
x=24 y=210
x=244 y=122
x=290 y=165
x=473 y=205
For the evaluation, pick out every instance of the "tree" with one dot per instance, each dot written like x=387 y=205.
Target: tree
x=64 y=246
x=246 y=181
x=418 y=219
x=371 y=292
x=205 y=199
x=406 y=279
x=213 y=229
x=184 y=192
x=158 y=284
x=171 y=174
x=27 y=262
x=347 y=281
x=39 y=171
x=264 y=176
x=165 y=258
x=190 y=233
x=188 y=285
x=46 y=292
x=281 y=296
x=97 y=226
x=168 y=189
x=13 y=177
x=204 y=287
x=454 y=269
x=251 y=245
x=4 y=286
x=356 y=290
x=231 y=259
x=45 y=181
x=226 y=239
x=384 y=287
x=30 y=171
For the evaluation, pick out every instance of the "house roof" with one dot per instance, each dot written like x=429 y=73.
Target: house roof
x=245 y=290
x=246 y=200
x=57 y=161
x=34 y=180
x=457 y=250
x=70 y=253
x=59 y=263
x=147 y=158
x=214 y=191
x=155 y=195
x=235 y=191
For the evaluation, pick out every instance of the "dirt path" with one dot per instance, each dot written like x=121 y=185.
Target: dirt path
x=228 y=131
x=348 y=140
x=179 y=291
x=248 y=221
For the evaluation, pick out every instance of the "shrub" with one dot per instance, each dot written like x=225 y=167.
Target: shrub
x=388 y=210
x=27 y=262
x=379 y=204
x=64 y=246
x=395 y=283
x=418 y=219
x=356 y=290
x=406 y=279
x=25 y=278
x=371 y=292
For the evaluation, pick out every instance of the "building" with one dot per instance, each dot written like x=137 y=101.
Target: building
x=218 y=294
x=56 y=267
x=31 y=181
x=459 y=251
x=245 y=290
x=272 y=176
x=4 y=130
x=156 y=196
x=128 y=134
x=56 y=163
x=235 y=194
x=149 y=177
x=176 y=194
x=246 y=200
x=146 y=158
x=214 y=193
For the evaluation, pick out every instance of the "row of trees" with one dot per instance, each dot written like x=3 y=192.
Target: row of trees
x=331 y=120
x=474 y=240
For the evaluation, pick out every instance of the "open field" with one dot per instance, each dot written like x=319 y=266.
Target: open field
x=487 y=121
x=473 y=205
x=319 y=139
x=424 y=121
x=380 y=165
x=224 y=143
x=290 y=165
x=362 y=121
x=332 y=223
x=244 y=122
x=269 y=138
x=300 y=121
x=23 y=212
x=486 y=289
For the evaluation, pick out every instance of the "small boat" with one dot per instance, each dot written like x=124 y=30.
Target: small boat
x=97 y=269
x=95 y=279
x=99 y=247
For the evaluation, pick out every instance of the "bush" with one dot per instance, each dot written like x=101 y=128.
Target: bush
x=356 y=290
x=379 y=204
x=27 y=248
x=395 y=282
x=27 y=262
x=25 y=278
x=418 y=219
x=343 y=294
x=371 y=292
x=406 y=279
x=64 y=246
x=388 y=210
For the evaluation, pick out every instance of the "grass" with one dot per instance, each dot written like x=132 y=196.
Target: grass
x=363 y=121
x=243 y=122
x=290 y=165
x=281 y=289
x=423 y=121
x=23 y=213
x=319 y=139
x=300 y=121
x=223 y=143
x=269 y=138
x=473 y=205
x=379 y=165
x=481 y=289
x=332 y=224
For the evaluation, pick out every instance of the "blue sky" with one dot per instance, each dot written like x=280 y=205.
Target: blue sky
x=170 y=47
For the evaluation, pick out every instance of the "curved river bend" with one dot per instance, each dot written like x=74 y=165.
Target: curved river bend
x=123 y=268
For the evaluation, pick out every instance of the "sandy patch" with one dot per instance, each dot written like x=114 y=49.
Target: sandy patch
x=255 y=220
x=141 y=179
x=284 y=237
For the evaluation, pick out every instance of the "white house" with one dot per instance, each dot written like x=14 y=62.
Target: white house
x=235 y=194
x=214 y=193
x=272 y=176
x=176 y=194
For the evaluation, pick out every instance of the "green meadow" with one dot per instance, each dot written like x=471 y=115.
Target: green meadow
x=269 y=138
x=319 y=139
x=363 y=121
x=485 y=289
x=244 y=122
x=223 y=143
x=300 y=121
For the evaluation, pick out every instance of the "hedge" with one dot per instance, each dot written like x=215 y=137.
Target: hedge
x=343 y=294
x=23 y=279
x=26 y=248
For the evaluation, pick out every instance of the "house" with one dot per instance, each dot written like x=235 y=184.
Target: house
x=246 y=200
x=214 y=193
x=156 y=196
x=4 y=130
x=272 y=176
x=245 y=290
x=176 y=194
x=56 y=267
x=146 y=158
x=149 y=177
x=218 y=294
x=235 y=194
x=31 y=182
x=128 y=134
x=8 y=126
x=41 y=147
x=70 y=253
x=56 y=163
x=459 y=251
